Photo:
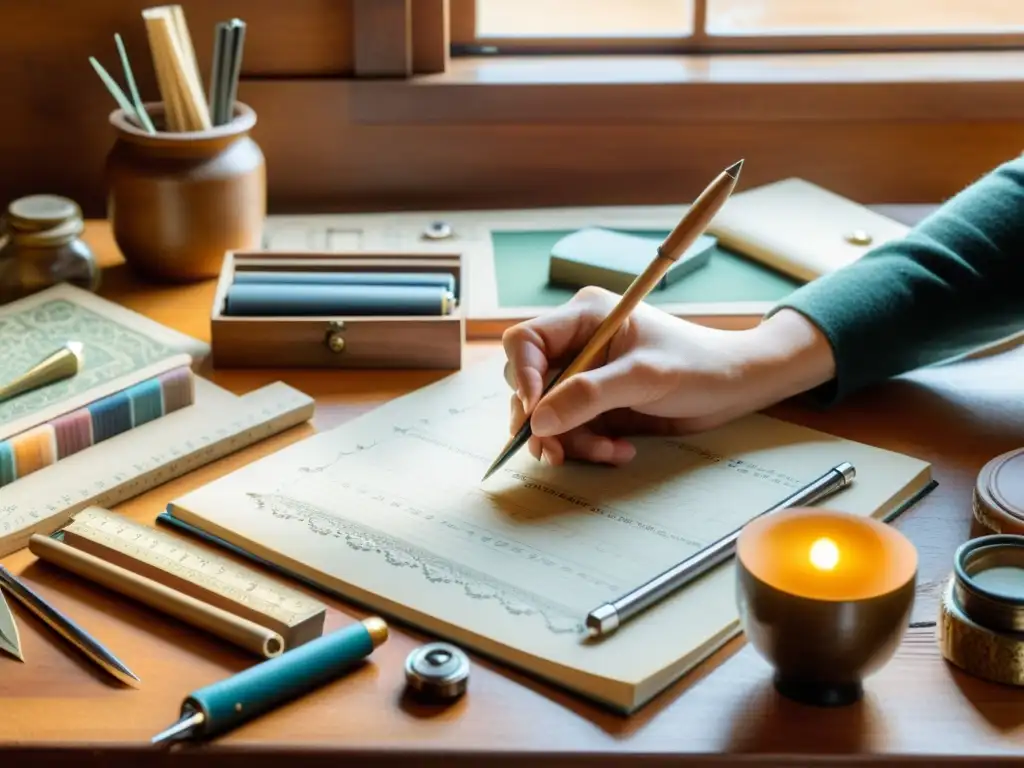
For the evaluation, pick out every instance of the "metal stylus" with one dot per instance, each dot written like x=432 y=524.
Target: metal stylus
x=606 y=618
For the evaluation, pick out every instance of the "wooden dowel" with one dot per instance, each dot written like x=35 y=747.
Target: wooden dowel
x=173 y=110
x=235 y=629
x=174 y=57
x=185 y=52
x=189 y=113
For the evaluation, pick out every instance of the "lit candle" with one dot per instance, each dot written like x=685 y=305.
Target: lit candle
x=825 y=597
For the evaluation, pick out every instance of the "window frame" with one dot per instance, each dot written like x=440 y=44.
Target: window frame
x=464 y=40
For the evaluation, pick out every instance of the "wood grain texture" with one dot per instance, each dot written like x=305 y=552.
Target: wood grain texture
x=431 y=40
x=918 y=709
x=342 y=166
x=382 y=35
x=473 y=150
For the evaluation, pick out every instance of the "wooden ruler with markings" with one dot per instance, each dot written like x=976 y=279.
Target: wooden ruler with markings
x=219 y=423
x=197 y=571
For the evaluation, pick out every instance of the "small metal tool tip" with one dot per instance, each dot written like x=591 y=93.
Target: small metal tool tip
x=603 y=620
x=130 y=678
x=734 y=169
x=12 y=649
x=180 y=728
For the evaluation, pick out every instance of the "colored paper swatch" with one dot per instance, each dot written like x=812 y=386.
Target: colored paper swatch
x=48 y=443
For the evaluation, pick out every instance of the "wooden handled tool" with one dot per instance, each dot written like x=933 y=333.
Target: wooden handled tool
x=690 y=227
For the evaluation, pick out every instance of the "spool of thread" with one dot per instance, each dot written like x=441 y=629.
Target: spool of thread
x=981 y=622
x=259 y=299
x=443 y=280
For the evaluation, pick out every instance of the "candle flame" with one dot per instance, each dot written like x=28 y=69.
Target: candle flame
x=824 y=554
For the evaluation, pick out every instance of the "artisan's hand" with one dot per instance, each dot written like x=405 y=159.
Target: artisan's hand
x=662 y=375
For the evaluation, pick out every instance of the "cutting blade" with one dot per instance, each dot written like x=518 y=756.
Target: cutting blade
x=9 y=640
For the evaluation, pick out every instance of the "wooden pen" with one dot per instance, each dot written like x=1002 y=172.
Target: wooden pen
x=689 y=228
x=235 y=629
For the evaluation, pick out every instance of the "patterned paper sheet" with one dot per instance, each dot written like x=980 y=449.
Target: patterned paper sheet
x=111 y=350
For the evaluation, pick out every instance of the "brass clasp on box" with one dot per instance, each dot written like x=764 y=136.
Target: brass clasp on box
x=333 y=338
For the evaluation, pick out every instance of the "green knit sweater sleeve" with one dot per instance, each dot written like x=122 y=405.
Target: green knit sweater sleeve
x=954 y=282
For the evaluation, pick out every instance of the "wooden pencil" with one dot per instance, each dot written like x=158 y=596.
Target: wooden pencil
x=235 y=629
x=696 y=219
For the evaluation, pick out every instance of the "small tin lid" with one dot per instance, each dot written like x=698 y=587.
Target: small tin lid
x=988 y=584
x=438 y=671
x=999 y=493
x=38 y=212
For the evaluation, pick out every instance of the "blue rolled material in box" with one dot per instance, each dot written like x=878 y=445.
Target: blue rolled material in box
x=277 y=299
x=444 y=280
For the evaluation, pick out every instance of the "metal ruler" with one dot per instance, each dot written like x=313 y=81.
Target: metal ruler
x=197 y=571
x=216 y=425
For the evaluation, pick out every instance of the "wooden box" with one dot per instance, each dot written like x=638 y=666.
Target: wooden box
x=427 y=342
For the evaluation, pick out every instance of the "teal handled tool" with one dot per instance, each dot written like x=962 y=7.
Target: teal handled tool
x=227 y=704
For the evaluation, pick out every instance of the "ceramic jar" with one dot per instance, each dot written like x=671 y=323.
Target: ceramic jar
x=177 y=202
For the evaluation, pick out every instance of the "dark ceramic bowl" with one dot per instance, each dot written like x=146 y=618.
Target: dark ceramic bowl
x=825 y=598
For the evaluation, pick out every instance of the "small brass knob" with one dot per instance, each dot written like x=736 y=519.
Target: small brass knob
x=334 y=340
x=335 y=343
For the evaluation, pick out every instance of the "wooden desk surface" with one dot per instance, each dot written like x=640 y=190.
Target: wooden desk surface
x=55 y=707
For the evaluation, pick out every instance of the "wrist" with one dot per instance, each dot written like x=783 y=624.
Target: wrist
x=786 y=355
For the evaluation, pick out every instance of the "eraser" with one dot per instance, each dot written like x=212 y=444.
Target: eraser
x=613 y=260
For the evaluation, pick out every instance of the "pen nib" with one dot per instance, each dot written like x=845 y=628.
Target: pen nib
x=734 y=169
x=180 y=728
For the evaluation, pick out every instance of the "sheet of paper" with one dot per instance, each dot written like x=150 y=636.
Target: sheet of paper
x=389 y=509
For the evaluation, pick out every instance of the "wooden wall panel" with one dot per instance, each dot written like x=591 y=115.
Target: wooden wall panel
x=382 y=42
x=476 y=166
x=320 y=160
x=54 y=132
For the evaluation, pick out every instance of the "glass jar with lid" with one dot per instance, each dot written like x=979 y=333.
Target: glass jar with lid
x=41 y=246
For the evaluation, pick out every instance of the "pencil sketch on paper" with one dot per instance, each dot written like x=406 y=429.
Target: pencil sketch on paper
x=433 y=568
x=406 y=495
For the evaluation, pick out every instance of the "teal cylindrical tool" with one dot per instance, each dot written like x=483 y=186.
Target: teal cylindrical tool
x=228 y=703
x=256 y=299
x=445 y=280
